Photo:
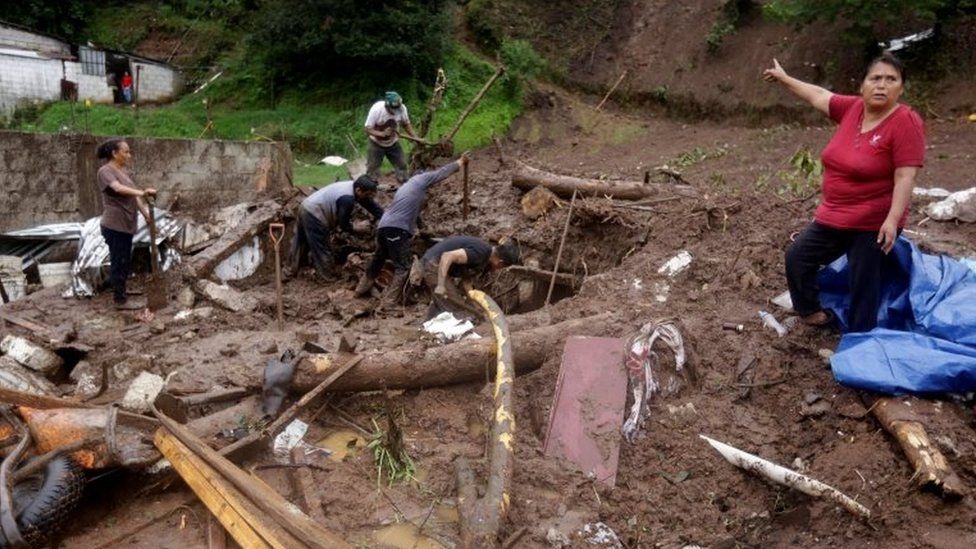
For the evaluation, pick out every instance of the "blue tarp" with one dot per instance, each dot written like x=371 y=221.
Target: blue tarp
x=925 y=341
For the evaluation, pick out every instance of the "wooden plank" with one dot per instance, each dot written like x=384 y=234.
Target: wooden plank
x=241 y=518
x=271 y=503
x=255 y=222
x=40 y=402
x=24 y=323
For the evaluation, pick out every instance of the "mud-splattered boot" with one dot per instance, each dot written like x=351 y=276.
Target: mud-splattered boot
x=365 y=286
x=393 y=295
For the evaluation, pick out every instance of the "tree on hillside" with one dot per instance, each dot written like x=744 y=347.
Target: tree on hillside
x=65 y=19
x=863 y=17
x=298 y=41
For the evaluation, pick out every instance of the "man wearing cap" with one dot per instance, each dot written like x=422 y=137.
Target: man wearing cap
x=322 y=212
x=382 y=123
x=463 y=257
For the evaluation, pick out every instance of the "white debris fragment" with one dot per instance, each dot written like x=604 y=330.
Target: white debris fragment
x=783 y=301
x=227 y=297
x=142 y=392
x=333 y=160
x=16 y=377
x=242 y=263
x=959 y=205
x=193 y=314
x=33 y=356
x=601 y=535
x=676 y=264
x=289 y=438
x=661 y=291
x=934 y=192
x=446 y=327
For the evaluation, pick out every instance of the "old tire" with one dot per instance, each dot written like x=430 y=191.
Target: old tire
x=44 y=502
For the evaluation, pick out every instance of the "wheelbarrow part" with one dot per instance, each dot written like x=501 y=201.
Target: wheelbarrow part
x=44 y=502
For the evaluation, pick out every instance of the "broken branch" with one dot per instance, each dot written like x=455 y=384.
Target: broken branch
x=526 y=177
x=932 y=471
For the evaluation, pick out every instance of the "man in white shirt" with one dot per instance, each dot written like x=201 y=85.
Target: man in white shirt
x=382 y=123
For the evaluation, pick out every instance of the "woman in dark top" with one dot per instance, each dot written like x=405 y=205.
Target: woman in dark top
x=870 y=166
x=120 y=200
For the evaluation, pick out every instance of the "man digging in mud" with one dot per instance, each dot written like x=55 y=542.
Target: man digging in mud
x=323 y=212
x=382 y=123
x=463 y=257
x=396 y=228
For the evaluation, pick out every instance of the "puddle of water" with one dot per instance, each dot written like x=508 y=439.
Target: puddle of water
x=446 y=513
x=403 y=536
x=342 y=443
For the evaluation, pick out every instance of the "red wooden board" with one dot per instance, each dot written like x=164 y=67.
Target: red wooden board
x=588 y=406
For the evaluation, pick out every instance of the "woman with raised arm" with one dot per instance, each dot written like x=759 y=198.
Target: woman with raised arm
x=870 y=166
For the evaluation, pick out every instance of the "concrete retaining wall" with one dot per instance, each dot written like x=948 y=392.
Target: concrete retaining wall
x=47 y=178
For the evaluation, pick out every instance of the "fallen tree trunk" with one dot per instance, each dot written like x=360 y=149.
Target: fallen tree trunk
x=932 y=471
x=482 y=517
x=526 y=177
x=256 y=222
x=461 y=362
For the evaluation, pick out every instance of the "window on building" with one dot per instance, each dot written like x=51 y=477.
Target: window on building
x=92 y=61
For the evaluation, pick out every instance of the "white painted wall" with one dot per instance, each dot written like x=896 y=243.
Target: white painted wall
x=24 y=40
x=26 y=77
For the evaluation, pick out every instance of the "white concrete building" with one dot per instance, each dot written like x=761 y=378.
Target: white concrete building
x=39 y=68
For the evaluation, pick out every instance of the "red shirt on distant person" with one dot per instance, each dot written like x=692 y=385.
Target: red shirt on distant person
x=859 y=168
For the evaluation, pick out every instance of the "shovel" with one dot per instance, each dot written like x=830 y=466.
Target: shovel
x=156 y=286
x=277 y=231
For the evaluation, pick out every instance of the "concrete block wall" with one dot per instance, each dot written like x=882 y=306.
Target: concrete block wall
x=17 y=38
x=156 y=82
x=47 y=178
x=25 y=77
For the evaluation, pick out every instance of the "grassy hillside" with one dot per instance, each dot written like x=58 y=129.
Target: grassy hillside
x=318 y=119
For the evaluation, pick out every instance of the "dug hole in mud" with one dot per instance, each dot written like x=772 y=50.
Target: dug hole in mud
x=698 y=261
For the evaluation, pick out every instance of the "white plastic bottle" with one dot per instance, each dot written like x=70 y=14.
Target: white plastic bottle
x=770 y=321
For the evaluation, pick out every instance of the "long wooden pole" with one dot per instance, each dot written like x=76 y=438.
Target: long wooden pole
x=559 y=253
x=612 y=89
x=464 y=174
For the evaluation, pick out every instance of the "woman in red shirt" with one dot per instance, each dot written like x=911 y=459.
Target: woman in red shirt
x=869 y=170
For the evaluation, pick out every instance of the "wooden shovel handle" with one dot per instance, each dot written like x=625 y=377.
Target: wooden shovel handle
x=277 y=232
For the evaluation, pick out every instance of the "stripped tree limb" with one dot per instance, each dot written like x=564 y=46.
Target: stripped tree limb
x=461 y=362
x=932 y=471
x=474 y=103
x=482 y=517
x=787 y=477
x=526 y=177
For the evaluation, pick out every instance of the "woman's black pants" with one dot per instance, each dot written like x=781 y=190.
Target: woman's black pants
x=120 y=255
x=819 y=245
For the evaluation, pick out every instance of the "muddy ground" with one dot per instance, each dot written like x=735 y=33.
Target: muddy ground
x=671 y=488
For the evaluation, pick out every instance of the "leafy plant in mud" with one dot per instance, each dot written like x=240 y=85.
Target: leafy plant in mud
x=804 y=174
x=389 y=453
x=697 y=155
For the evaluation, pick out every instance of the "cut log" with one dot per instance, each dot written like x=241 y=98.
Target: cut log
x=461 y=362
x=482 y=517
x=526 y=177
x=256 y=222
x=932 y=471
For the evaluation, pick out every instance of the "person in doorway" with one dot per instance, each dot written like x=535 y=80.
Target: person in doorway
x=870 y=166
x=462 y=257
x=395 y=230
x=323 y=212
x=382 y=128
x=126 y=87
x=120 y=204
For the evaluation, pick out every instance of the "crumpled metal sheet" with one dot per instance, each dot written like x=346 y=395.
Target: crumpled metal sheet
x=89 y=269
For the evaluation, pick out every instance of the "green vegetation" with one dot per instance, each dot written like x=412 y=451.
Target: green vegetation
x=864 y=17
x=726 y=23
x=65 y=19
x=696 y=156
x=389 y=452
